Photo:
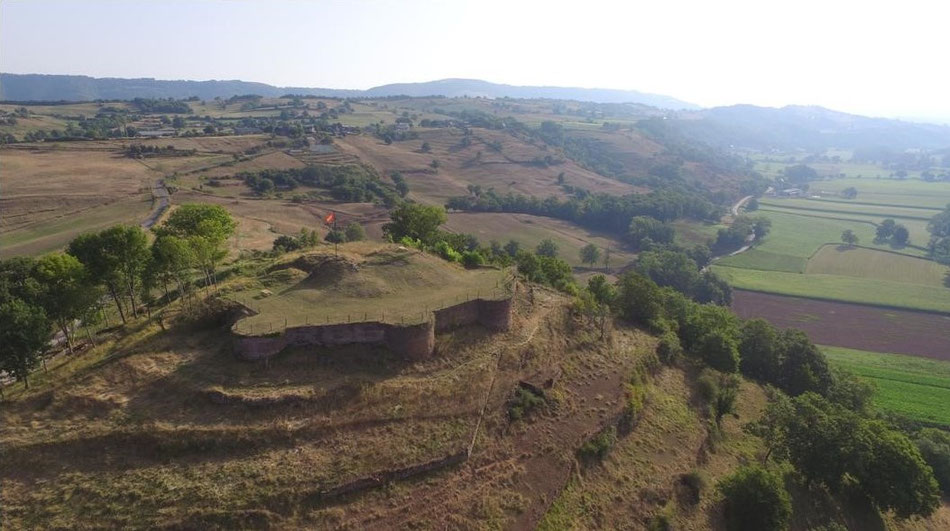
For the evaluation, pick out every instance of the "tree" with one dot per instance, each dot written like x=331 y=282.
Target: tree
x=934 y=446
x=804 y=367
x=547 y=247
x=103 y=265
x=206 y=228
x=849 y=192
x=893 y=473
x=669 y=268
x=590 y=254
x=419 y=222
x=755 y=499
x=849 y=237
x=512 y=248
x=828 y=443
x=602 y=291
x=426 y=148
x=23 y=336
x=800 y=174
x=644 y=228
x=128 y=245
x=901 y=236
x=638 y=299
x=885 y=230
x=759 y=351
x=67 y=290
x=172 y=258
x=719 y=350
x=354 y=232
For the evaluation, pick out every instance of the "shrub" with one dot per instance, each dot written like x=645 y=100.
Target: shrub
x=668 y=350
x=523 y=403
x=446 y=251
x=693 y=483
x=598 y=447
x=354 y=232
x=755 y=499
x=472 y=259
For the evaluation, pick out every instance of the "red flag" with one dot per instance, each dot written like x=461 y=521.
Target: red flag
x=331 y=217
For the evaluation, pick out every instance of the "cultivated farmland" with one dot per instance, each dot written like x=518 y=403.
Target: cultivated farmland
x=915 y=387
x=852 y=325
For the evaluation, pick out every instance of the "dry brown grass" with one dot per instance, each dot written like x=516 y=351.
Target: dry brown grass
x=511 y=170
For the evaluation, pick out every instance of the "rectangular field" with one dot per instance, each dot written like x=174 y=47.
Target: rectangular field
x=852 y=325
x=848 y=208
x=915 y=387
x=841 y=288
x=908 y=192
x=876 y=265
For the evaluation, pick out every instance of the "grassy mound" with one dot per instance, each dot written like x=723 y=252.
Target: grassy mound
x=363 y=282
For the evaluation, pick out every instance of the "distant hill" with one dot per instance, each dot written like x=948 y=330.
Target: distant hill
x=804 y=127
x=41 y=87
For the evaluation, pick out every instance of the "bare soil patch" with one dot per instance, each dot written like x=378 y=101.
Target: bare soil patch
x=852 y=325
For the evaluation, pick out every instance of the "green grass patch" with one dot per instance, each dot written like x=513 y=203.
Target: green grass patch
x=839 y=288
x=916 y=387
x=867 y=209
x=766 y=261
x=871 y=264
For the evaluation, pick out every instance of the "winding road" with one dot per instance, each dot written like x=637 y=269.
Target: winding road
x=750 y=239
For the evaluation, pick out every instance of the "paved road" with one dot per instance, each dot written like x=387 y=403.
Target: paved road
x=164 y=201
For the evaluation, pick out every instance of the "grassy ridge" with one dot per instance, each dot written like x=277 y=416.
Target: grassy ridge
x=916 y=387
x=840 y=288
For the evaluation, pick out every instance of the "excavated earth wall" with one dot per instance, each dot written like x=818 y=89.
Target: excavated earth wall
x=412 y=341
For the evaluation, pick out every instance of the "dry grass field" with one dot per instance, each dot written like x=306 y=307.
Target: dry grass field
x=157 y=428
x=513 y=169
x=529 y=230
x=50 y=196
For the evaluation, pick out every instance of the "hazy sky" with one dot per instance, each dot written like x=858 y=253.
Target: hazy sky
x=870 y=56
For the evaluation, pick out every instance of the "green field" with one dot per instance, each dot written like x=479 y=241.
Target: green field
x=909 y=192
x=916 y=387
x=793 y=239
x=839 y=288
x=919 y=236
x=871 y=264
x=879 y=211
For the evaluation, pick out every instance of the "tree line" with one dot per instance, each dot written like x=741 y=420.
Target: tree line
x=347 y=182
x=62 y=289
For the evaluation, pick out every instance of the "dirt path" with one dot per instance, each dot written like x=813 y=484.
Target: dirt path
x=162 y=202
